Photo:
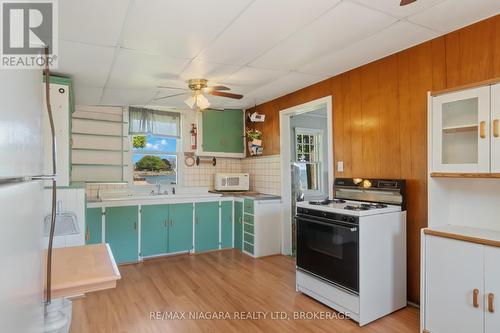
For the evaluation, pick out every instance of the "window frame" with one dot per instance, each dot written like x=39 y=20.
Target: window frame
x=320 y=158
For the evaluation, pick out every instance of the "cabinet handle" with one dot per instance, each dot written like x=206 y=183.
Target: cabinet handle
x=491 y=297
x=482 y=129
x=475 y=293
x=171 y=222
x=135 y=225
x=87 y=234
x=495 y=128
x=165 y=223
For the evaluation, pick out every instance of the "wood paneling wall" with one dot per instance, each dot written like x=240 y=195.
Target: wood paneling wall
x=380 y=114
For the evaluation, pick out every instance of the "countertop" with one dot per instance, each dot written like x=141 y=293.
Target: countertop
x=468 y=234
x=81 y=269
x=179 y=198
x=248 y=194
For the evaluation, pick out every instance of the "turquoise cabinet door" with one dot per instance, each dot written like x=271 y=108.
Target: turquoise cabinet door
x=238 y=224
x=154 y=230
x=223 y=131
x=121 y=233
x=180 y=233
x=93 y=229
x=206 y=226
x=226 y=224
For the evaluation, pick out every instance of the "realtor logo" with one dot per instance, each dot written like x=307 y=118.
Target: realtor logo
x=27 y=28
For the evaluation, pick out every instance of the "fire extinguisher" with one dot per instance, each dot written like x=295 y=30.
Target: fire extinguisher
x=193 y=136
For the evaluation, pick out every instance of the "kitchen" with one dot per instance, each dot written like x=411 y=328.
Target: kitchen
x=184 y=182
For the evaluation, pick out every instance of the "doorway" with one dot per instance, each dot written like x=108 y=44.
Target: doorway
x=306 y=141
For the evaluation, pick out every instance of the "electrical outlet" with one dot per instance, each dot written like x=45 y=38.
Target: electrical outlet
x=340 y=166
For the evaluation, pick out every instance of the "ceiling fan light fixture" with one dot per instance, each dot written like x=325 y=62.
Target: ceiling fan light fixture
x=190 y=101
x=202 y=102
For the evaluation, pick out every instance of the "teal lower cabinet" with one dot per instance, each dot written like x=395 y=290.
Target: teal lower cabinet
x=226 y=224
x=206 y=226
x=248 y=226
x=154 y=220
x=93 y=225
x=238 y=225
x=121 y=233
x=180 y=230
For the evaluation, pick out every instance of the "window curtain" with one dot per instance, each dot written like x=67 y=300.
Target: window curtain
x=154 y=122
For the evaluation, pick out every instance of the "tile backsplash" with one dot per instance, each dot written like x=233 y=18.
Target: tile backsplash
x=203 y=174
x=265 y=175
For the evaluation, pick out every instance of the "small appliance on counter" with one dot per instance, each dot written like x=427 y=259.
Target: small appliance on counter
x=351 y=250
x=232 y=182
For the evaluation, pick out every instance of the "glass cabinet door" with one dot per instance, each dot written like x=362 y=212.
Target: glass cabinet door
x=460 y=134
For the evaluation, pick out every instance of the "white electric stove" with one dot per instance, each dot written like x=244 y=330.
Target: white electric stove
x=351 y=250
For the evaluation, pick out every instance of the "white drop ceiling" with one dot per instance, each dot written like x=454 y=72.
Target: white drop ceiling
x=119 y=51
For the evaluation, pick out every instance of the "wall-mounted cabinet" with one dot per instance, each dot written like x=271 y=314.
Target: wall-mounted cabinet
x=221 y=133
x=465 y=131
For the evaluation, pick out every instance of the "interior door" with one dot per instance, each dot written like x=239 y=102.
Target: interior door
x=454 y=269
x=180 y=233
x=495 y=128
x=153 y=230
x=460 y=131
x=492 y=288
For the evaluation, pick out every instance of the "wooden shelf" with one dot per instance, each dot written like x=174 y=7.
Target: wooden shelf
x=462 y=128
x=464 y=175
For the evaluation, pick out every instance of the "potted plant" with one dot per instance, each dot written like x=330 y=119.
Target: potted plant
x=254 y=137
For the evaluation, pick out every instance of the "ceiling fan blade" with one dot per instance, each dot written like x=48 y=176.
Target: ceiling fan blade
x=176 y=88
x=164 y=97
x=219 y=88
x=406 y=2
x=225 y=94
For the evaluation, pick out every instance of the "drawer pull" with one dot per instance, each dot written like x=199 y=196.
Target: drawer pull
x=475 y=302
x=491 y=297
x=495 y=128
x=87 y=234
x=482 y=129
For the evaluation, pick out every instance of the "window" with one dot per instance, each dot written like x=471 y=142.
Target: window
x=308 y=158
x=155 y=159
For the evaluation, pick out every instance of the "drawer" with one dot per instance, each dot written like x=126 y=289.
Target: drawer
x=248 y=238
x=248 y=206
x=248 y=247
x=248 y=219
x=248 y=228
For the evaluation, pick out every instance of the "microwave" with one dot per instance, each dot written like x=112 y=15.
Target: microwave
x=232 y=182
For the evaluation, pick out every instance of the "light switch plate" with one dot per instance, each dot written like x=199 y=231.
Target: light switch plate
x=340 y=166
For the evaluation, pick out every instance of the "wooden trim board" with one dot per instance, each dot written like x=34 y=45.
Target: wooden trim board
x=466 y=86
x=464 y=175
x=460 y=237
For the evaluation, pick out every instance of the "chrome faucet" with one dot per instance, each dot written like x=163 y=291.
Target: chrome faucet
x=158 y=187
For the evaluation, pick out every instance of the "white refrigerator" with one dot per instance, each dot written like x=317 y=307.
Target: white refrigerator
x=21 y=201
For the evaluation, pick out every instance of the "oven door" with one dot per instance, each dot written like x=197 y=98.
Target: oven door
x=329 y=249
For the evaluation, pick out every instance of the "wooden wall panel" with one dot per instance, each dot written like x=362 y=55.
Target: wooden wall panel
x=380 y=114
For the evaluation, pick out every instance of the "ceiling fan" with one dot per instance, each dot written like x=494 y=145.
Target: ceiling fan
x=406 y=2
x=198 y=88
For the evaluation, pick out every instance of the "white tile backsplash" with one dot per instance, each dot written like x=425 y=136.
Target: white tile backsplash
x=265 y=175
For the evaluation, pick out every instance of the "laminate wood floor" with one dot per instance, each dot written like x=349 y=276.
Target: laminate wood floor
x=228 y=282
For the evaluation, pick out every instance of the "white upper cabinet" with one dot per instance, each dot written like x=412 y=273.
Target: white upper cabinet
x=460 y=131
x=495 y=128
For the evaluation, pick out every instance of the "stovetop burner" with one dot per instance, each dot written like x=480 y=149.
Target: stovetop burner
x=327 y=202
x=365 y=206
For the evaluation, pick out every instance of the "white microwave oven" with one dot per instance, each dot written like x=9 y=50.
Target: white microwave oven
x=232 y=182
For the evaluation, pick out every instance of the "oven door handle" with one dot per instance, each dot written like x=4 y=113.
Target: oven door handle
x=352 y=229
